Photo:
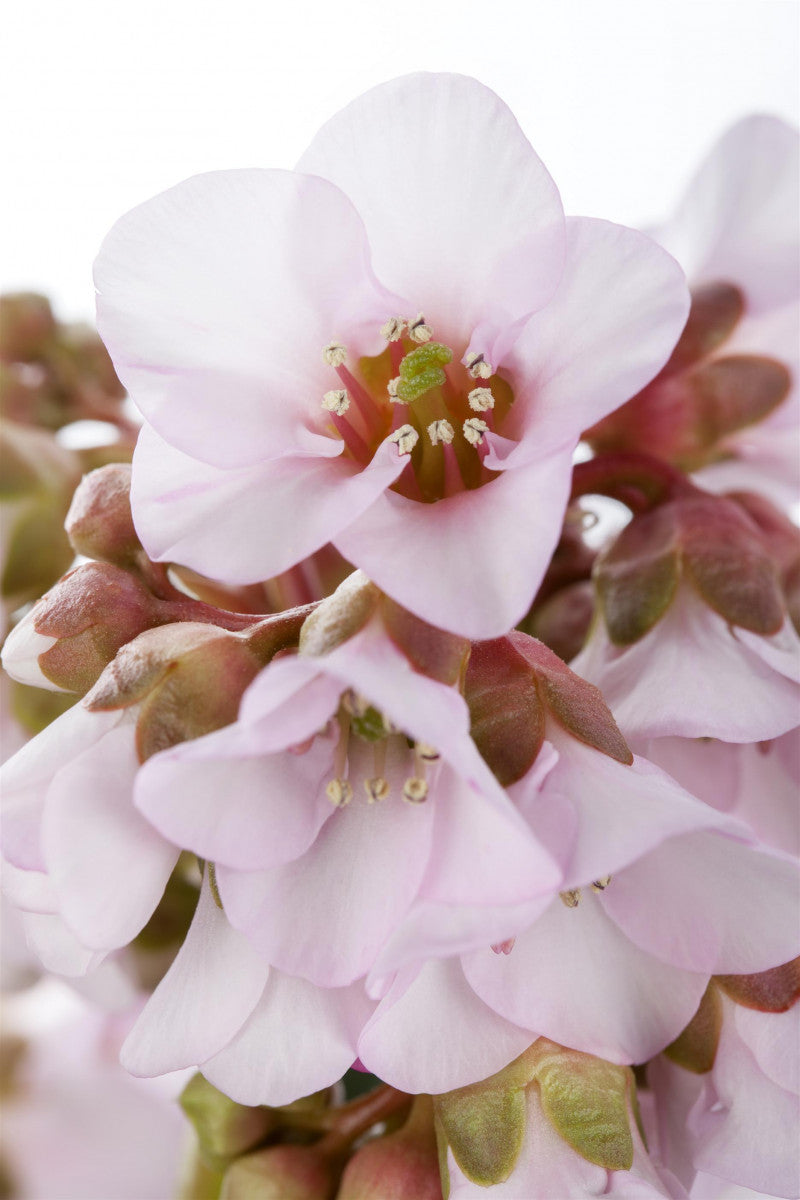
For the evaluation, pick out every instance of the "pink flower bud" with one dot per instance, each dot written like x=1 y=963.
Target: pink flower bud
x=402 y=1166
x=99 y=522
x=281 y=1173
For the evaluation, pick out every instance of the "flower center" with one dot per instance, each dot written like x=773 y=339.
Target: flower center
x=435 y=410
x=371 y=754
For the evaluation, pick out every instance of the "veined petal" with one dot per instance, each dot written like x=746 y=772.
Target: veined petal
x=610 y=327
x=431 y=1033
x=298 y=1039
x=216 y=299
x=462 y=216
x=576 y=978
x=248 y=523
x=706 y=902
x=108 y=866
x=491 y=547
x=203 y=1000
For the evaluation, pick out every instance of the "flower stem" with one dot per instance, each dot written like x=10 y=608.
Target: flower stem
x=637 y=480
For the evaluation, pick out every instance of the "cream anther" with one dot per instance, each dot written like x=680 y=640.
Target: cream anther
x=337 y=401
x=335 y=355
x=426 y=752
x=392 y=387
x=474 y=429
x=478 y=367
x=339 y=792
x=377 y=789
x=415 y=790
x=441 y=431
x=394 y=329
x=354 y=704
x=406 y=438
x=600 y=885
x=572 y=898
x=481 y=399
x=419 y=330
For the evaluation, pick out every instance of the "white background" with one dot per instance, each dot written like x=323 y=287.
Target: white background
x=105 y=103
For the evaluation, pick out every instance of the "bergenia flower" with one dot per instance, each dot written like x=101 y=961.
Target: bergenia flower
x=347 y=794
x=394 y=348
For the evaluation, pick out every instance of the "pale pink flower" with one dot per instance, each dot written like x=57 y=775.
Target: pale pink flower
x=737 y=223
x=244 y=317
x=325 y=839
x=91 y=870
x=260 y=1036
x=738 y=1122
x=695 y=675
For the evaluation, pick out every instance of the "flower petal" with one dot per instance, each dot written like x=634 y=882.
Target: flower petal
x=56 y=946
x=203 y=1000
x=325 y=915
x=609 y=328
x=431 y=1033
x=491 y=547
x=298 y=1039
x=251 y=523
x=705 y=902
x=108 y=866
x=216 y=299
x=462 y=217
x=694 y=676
x=738 y=219
x=576 y=978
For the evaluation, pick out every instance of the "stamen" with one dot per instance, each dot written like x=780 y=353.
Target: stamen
x=481 y=399
x=339 y=792
x=377 y=789
x=572 y=898
x=334 y=354
x=415 y=790
x=600 y=885
x=354 y=704
x=441 y=431
x=406 y=438
x=394 y=329
x=478 y=367
x=474 y=429
x=419 y=330
x=504 y=947
x=426 y=752
x=392 y=387
x=337 y=401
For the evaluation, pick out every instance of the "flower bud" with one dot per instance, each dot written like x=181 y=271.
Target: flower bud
x=187 y=678
x=69 y=637
x=99 y=523
x=224 y=1128
x=401 y=1166
x=281 y=1173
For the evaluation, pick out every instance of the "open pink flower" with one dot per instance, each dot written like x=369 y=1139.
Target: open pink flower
x=294 y=396
x=348 y=792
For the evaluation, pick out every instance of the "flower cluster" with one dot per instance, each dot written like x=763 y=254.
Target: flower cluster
x=328 y=791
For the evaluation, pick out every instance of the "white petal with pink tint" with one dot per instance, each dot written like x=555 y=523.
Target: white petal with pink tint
x=248 y=523
x=431 y=1032
x=107 y=865
x=218 y=297
x=574 y=976
x=298 y=1039
x=491 y=547
x=610 y=327
x=462 y=217
x=203 y=1000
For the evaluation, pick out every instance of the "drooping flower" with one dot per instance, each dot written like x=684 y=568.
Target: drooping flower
x=421 y=417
